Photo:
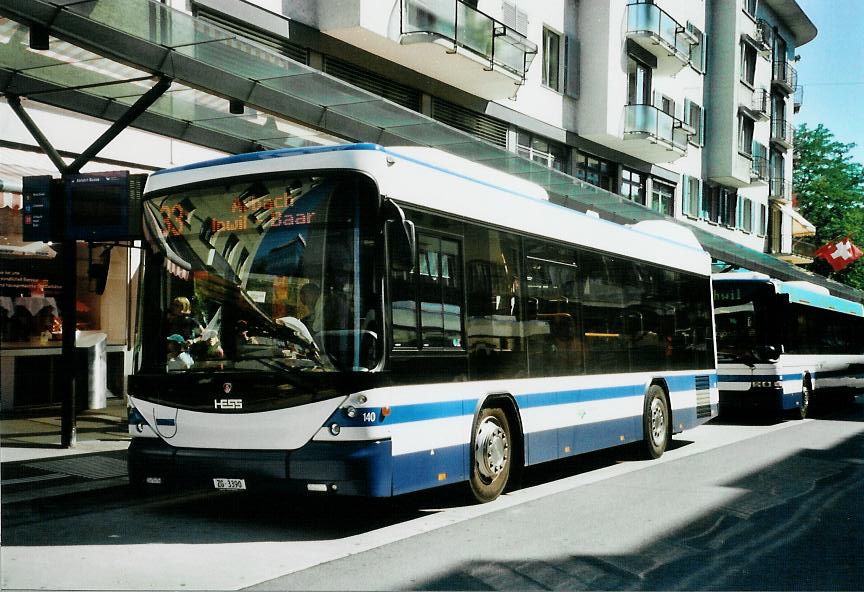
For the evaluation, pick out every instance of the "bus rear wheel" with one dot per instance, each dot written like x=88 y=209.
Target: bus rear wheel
x=491 y=454
x=656 y=422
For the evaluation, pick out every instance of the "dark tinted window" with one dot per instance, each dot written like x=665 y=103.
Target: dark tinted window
x=553 y=311
x=495 y=329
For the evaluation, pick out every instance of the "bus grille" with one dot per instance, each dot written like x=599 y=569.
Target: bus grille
x=703 y=397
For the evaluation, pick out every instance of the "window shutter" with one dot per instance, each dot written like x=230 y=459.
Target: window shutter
x=571 y=67
x=685 y=194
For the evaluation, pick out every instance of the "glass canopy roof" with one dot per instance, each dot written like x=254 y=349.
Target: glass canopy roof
x=105 y=54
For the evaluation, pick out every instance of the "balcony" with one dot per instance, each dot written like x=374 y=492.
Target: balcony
x=759 y=165
x=655 y=135
x=759 y=104
x=781 y=132
x=764 y=36
x=798 y=98
x=446 y=40
x=653 y=29
x=490 y=56
x=779 y=189
x=784 y=76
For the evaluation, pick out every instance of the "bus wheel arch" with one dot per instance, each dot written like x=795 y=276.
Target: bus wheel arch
x=496 y=447
x=657 y=420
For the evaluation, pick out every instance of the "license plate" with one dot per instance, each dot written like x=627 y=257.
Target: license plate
x=230 y=484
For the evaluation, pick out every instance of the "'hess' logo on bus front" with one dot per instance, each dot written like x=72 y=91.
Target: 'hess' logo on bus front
x=228 y=403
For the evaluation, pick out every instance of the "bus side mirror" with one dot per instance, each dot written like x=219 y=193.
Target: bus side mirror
x=401 y=237
x=403 y=244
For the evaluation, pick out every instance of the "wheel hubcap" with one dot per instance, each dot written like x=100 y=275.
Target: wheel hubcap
x=658 y=422
x=491 y=449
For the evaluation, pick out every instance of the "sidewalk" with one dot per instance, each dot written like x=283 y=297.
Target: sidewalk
x=34 y=465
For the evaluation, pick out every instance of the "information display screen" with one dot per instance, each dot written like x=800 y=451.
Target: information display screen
x=97 y=205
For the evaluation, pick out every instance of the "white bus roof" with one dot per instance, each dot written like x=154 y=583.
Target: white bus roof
x=435 y=180
x=799 y=292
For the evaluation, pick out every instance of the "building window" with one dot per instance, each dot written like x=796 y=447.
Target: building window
x=750 y=7
x=745 y=135
x=662 y=197
x=633 y=185
x=763 y=219
x=691 y=195
x=746 y=223
x=596 y=171
x=552 y=60
x=748 y=63
x=693 y=116
x=638 y=82
x=728 y=207
x=546 y=152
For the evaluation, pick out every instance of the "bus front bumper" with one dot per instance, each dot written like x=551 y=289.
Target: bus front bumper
x=349 y=468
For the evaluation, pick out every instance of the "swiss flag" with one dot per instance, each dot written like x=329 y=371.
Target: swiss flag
x=839 y=254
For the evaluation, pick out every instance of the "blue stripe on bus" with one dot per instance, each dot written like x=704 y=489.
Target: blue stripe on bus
x=266 y=155
x=448 y=409
x=424 y=469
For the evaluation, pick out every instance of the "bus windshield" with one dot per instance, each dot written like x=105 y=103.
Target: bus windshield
x=743 y=315
x=266 y=274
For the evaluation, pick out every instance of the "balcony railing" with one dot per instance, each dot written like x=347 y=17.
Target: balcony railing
x=657 y=125
x=469 y=29
x=666 y=37
x=784 y=76
x=758 y=169
x=764 y=36
x=760 y=103
x=798 y=98
x=780 y=189
x=782 y=132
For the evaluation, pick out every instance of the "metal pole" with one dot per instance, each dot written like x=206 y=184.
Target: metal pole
x=140 y=106
x=68 y=427
x=15 y=103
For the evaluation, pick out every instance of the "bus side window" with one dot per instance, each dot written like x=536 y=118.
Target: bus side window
x=427 y=302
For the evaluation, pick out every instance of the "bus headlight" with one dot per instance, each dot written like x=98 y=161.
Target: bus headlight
x=335 y=429
x=351 y=411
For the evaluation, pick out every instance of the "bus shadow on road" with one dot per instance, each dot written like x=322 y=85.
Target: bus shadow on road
x=796 y=525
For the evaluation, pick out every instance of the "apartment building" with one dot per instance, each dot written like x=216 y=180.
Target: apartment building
x=683 y=106
x=680 y=108
x=753 y=94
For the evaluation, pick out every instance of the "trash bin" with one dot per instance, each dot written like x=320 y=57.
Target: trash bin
x=91 y=372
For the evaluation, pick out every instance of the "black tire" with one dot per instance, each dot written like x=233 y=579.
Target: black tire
x=491 y=454
x=656 y=423
x=806 y=400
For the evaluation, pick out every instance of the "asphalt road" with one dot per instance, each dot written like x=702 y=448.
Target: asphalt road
x=764 y=505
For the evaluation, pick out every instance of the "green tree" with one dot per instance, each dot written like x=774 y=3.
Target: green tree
x=829 y=187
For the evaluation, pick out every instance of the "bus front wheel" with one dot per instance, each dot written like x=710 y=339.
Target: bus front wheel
x=491 y=454
x=656 y=422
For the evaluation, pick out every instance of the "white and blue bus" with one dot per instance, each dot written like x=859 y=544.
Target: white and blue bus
x=779 y=343
x=373 y=321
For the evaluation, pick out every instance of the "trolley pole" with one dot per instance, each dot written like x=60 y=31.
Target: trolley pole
x=69 y=312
